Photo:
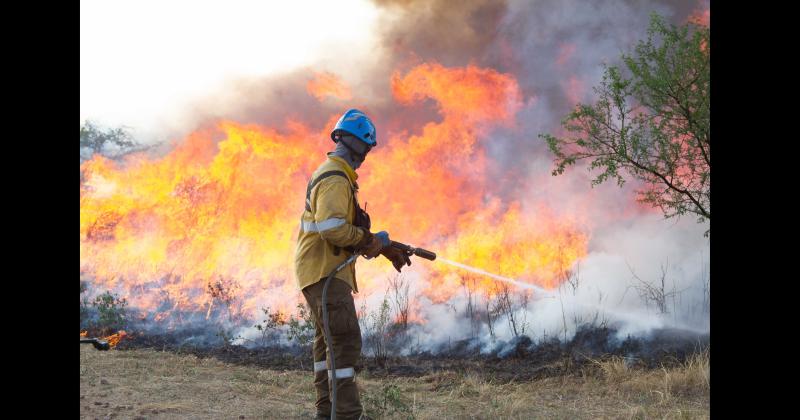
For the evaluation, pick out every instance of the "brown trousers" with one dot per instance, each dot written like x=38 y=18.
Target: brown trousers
x=346 y=337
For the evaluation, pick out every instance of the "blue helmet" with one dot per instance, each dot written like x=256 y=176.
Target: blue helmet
x=358 y=124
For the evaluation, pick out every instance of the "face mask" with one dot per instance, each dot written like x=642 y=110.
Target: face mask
x=353 y=150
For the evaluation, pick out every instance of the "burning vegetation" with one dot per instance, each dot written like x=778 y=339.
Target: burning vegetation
x=209 y=227
x=539 y=281
x=191 y=247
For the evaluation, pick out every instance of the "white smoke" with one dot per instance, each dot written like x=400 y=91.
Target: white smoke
x=164 y=69
x=605 y=293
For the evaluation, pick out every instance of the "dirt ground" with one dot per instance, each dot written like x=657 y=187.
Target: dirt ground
x=149 y=384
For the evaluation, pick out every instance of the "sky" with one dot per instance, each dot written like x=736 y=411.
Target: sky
x=144 y=61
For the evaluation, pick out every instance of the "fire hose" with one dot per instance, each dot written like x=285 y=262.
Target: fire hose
x=408 y=250
x=97 y=343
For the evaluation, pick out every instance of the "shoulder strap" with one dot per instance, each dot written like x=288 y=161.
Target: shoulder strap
x=314 y=182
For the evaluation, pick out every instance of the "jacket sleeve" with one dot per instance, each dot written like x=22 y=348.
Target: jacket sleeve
x=333 y=199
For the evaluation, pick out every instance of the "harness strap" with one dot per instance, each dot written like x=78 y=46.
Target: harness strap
x=314 y=182
x=311 y=184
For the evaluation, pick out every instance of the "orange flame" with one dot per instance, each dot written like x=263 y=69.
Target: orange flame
x=211 y=226
x=328 y=84
x=114 y=339
x=701 y=17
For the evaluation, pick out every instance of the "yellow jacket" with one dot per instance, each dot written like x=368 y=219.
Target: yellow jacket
x=329 y=224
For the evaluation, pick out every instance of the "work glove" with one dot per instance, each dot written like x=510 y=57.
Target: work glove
x=397 y=257
x=376 y=244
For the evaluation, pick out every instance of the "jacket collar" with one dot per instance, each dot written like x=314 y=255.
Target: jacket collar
x=347 y=169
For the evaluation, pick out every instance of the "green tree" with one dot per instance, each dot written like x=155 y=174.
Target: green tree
x=650 y=121
x=113 y=143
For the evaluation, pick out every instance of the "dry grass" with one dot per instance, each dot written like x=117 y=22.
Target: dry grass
x=145 y=384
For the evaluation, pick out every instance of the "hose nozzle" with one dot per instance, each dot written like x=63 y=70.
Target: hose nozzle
x=410 y=250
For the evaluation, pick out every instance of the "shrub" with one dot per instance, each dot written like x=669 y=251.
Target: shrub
x=84 y=307
x=377 y=331
x=270 y=324
x=389 y=401
x=111 y=315
x=301 y=329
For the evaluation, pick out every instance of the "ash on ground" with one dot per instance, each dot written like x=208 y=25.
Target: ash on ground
x=521 y=358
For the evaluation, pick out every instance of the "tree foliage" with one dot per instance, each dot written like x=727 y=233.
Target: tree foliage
x=650 y=121
x=113 y=143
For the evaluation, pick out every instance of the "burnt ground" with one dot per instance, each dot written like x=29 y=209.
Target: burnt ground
x=521 y=359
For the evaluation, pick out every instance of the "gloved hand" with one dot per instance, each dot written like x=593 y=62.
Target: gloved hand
x=376 y=244
x=397 y=257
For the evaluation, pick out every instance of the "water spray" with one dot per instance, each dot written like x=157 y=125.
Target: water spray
x=498 y=277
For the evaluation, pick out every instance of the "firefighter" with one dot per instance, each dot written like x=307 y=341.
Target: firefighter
x=333 y=227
